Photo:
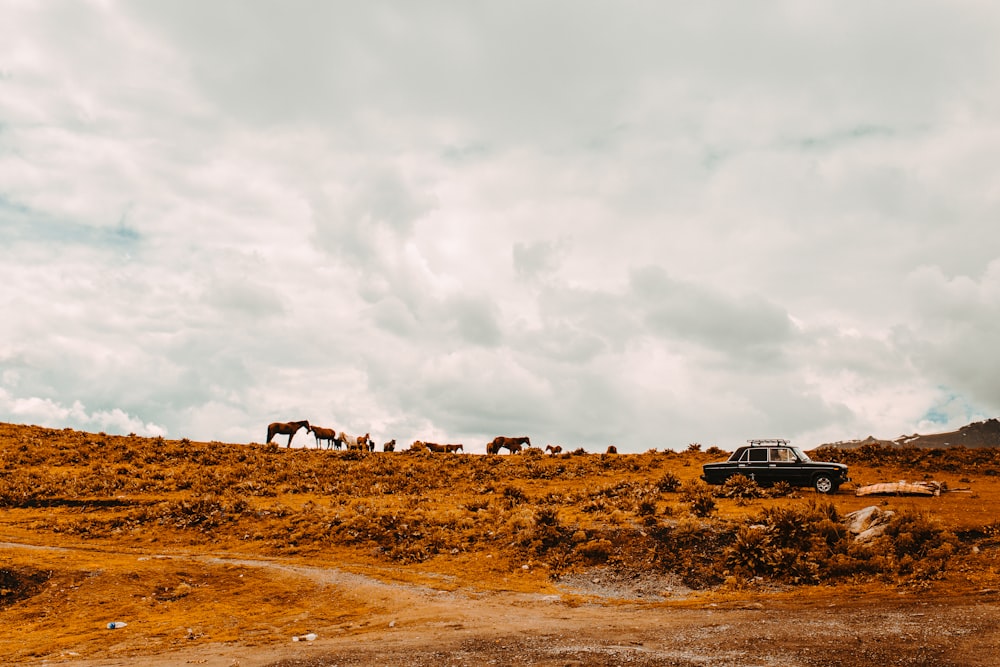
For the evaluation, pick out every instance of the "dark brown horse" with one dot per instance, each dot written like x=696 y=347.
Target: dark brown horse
x=389 y=446
x=434 y=447
x=555 y=449
x=285 y=428
x=328 y=434
x=453 y=449
x=513 y=445
x=612 y=449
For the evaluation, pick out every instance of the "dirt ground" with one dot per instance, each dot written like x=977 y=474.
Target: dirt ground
x=360 y=619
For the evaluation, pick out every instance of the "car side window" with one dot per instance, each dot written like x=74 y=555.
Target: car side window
x=758 y=455
x=782 y=455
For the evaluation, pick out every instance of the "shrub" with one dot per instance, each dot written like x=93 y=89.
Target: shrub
x=700 y=500
x=669 y=483
x=918 y=548
x=752 y=552
x=546 y=533
x=646 y=507
x=513 y=496
x=741 y=488
x=594 y=505
x=782 y=489
x=595 y=551
x=692 y=550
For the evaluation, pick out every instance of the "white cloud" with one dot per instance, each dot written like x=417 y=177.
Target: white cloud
x=46 y=412
x=644 y=224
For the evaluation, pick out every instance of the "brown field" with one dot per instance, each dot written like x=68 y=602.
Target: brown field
x=220 y=554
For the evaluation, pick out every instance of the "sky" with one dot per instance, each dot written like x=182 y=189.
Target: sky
x=639 y=223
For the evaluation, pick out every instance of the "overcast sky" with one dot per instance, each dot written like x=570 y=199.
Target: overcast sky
x=633 y=223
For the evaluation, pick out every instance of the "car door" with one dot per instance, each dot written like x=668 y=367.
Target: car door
x=785 y=466
x=754 y=464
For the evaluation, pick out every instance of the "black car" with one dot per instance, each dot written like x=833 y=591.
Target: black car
x=770 y=461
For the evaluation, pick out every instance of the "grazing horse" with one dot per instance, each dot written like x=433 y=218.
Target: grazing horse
x=285 y=428
x=328 y=434
x=389 y=446
x=513 y=445
x=612 y=449
x=351 y=442
x=452 y=449
x=555 y=449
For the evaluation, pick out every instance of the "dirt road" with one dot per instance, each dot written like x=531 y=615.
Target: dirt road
x=418 y=626
x=944 y=632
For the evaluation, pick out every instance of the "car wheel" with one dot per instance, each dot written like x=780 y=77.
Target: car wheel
x=824 y=484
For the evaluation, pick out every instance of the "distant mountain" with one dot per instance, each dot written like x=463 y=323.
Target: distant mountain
x=974 y=436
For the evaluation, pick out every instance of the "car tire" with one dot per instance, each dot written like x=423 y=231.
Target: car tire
x=824 y=484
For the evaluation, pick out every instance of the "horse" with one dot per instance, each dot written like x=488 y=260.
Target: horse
x=434 y=447
x=452 y=449
x=359 y=443
x=612 y=449
x=328 y=434
x=366 y=442
x=285 y=428
x=513 y=445
x=389 y=446
x=554 y=449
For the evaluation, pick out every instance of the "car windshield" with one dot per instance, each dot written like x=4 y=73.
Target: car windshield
x=802 y=455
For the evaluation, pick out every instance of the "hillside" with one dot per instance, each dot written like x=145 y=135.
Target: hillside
x=226 y=551
x=976 y=435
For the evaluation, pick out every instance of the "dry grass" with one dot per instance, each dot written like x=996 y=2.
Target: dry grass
x=144 y=521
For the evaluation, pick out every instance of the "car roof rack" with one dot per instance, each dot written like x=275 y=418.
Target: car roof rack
x=758 y=442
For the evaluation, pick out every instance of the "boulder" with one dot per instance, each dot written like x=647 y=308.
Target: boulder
x=868 y=523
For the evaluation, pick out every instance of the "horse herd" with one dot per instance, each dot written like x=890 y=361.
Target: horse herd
x=364 y=443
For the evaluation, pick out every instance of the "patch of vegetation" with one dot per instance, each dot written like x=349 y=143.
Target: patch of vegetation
x=565 y=512
x=20 y=583
x=740 y=488
x=699 y=498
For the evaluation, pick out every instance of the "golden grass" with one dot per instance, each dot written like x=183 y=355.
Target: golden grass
x=196 y=541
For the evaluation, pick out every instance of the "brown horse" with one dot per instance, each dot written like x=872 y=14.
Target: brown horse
x=434 y=447
x=452 y=449
x=612 y=449
x=555 y=449
x=285 y=428
x=356 y=443
x=328 y=434
x=513 y=445
x=389 y=446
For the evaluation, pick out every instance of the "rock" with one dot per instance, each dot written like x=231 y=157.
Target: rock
x=868 y=523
